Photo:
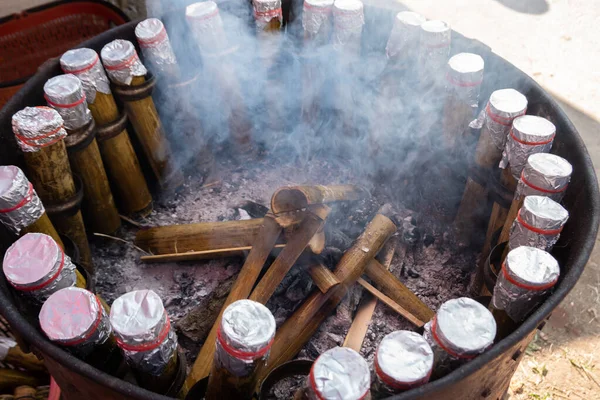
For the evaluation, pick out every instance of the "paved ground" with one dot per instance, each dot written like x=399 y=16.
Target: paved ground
x=551 y=41
x=554 y=41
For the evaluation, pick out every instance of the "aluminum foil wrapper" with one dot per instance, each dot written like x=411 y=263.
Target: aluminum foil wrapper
x=403 y=360
x=20 y=205
x=73 y=317
x=463 y=329
x=527 y=277
x=84 y=64
x=545 y=175
x=529 y=135
x=348 y=21
x=121 y=61
x=503 y=107
x=434 y=48
x=139 y=322
x=6 y=344
x=37 y=267
x=464 y=76
x=65 y=94
x=339 y=373
x=404 y=38
x=37 y=127
x=315 y=14
x=265 y=11
x=538 y=224
x=249 y=327
x=206 y=25
x=156 y=47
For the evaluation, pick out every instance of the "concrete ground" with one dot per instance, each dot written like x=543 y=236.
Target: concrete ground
x=554 y=42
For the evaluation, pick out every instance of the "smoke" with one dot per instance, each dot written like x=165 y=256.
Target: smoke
x=333 y=97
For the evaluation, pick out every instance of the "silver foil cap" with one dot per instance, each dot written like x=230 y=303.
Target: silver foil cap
x=315 y=13
x=538 y=224
x=434 y=47
x=65 y=94
x=121 y=61
x=464 y=327
x=403 y=360
x=84 y=64
x=340 y=373
x=404 y=37
x=348 y=20
x=156 y=47
x=265 y=11
x=36 y=265
x=503 y=107
x=530 y=134
x=71 y=316
x=464 y=76
x=20 y=205
x=247 y=326
x=37 y=127
x=532 y=267
x=545 y=175
x=206 y=25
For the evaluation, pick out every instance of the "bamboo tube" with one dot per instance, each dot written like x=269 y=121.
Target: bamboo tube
x=122 y=165
x=12 y=378
x=392 y=287
x=25 y=393
x=288 y=256
x=293 y=198
x=503 y=107
x=202 y=236
x=128 y=73
x=203 y=255
x=261 y=248
x=12 y=354
x=529 y=135
x=65 y=94
x=362 y=319
x=303 y=323
x=21 y=210
x=40 y=133
x=322 y=276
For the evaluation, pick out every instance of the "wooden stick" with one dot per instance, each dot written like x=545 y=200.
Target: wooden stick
x=25 y=393
x=50 y=173
x=303 y=323
x=99 y=205
x=11 y=378
x=203 y=236
x=322 y=276
x=288 y=256
x=265 y=240
x=28 y=361
x=122 y=165
x=202 y=255
x=294 y=198
x=392 y=287
x=362 y=319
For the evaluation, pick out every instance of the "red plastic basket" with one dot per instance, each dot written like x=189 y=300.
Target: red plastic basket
x=33 y=36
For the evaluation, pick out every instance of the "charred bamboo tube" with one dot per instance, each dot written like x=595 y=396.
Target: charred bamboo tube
x=39 y=132
x=21 y=209
x=529 y=135
x=203 y=236
x=261 y=248
x=12 y=378
x=125 y=69
x=12 y=354
x=293 y=198
x=25 y=393
x=362 y=319
x=322 y=276
x=203 y=255
x=544 y=175
x=206 y=25
x=464 y=76
x=122 y=165
x=392 y=287
x=65 y=94
x=503 y=107
x=303 y=323
x=288 y=256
